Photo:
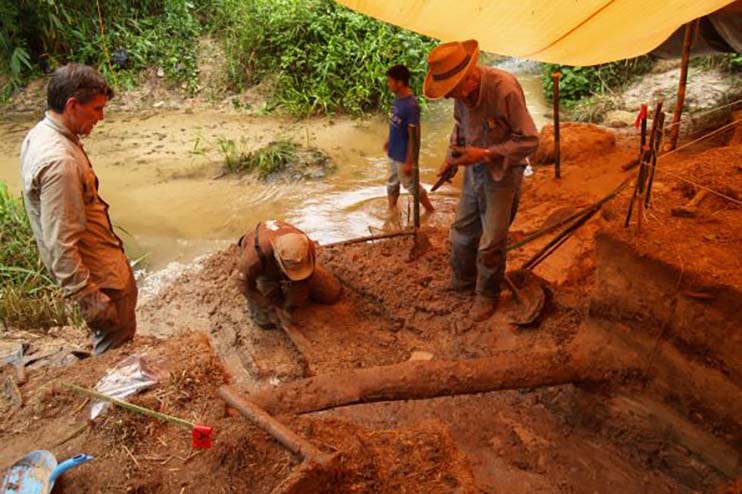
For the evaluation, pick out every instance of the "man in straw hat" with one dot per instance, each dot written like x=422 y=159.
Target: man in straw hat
x=277 y=272
x=498 y=133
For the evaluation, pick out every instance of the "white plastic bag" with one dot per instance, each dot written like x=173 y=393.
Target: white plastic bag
x=128 y=377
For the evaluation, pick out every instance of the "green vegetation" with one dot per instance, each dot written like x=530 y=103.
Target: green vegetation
x=320 y=57
x=277 y=159
x=581 y=82
x=317 y=56
x=129 y=35
x=29 y=298
x=728 y=62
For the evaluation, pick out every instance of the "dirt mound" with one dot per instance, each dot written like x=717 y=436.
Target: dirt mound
x=578 y=141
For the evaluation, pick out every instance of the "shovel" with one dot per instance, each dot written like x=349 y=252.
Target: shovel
x=36 y=473
x=530 y=295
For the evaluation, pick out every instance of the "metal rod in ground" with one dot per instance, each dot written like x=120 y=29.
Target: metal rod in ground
x=687 y=44
x=285 y=436
x=370 y=238
x=557 y=158
x=545 y=231
x=414 y=141
x=558 y=240
x=655 y=152
x=131 y=407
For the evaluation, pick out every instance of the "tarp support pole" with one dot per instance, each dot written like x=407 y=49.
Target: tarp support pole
x=675 y=125
x=557 y=159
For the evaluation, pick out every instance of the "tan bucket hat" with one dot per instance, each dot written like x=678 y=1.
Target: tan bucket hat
x=295 y=255
x=448 y=63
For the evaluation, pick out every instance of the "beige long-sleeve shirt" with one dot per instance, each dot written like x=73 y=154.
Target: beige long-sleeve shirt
x=499 y=121
x=68 y=218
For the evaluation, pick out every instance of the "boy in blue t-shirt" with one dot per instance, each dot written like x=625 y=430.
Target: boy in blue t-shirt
x=405 y=112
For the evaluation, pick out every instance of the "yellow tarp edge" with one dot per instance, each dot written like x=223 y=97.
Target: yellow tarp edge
x=569 y=32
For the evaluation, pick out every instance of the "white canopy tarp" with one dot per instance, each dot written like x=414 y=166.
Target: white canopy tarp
x=570 y=32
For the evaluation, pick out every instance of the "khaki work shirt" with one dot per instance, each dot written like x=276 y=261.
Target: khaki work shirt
x=499 y=121
x=264 y=275
x=69 y=219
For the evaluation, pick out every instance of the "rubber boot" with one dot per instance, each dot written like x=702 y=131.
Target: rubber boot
x=483 y=308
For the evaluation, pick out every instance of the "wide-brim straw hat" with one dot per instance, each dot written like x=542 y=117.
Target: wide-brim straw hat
x=295 y=255
x=448 y=63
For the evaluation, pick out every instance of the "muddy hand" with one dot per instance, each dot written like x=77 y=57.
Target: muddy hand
x=281 y=317
x=444 y=168
x=468 y=155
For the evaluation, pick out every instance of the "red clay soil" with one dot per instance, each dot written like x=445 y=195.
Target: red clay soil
x=137 y=454
x=394 y=309
x=630 y=435
x=708 y=245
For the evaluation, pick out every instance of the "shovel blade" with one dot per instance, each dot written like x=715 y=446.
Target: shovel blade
x=533 y=295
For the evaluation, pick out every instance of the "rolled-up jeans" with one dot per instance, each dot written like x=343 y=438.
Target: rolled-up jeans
x=480 y=233
x=108 y=335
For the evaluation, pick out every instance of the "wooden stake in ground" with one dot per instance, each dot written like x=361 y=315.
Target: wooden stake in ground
x=655 y=153
x=414 y=141
x=314 y=459
x=675 y=125
x=644 y=165
x=291 y=441
x=557 y=159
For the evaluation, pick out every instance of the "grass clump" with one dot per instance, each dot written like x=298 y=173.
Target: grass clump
x=29 y=297
x=278 y=159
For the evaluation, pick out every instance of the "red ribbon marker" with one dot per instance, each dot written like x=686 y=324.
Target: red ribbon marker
x=201 y=436
x=641 y=116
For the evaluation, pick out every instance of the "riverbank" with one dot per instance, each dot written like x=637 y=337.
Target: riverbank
x=157 y=160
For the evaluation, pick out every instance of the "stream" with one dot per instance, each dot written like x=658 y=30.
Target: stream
x=157 y=171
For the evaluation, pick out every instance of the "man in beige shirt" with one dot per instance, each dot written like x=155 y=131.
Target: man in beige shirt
x=498 y=134
x=69 y=219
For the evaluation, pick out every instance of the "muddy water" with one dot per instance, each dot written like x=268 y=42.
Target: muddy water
x=157 y=171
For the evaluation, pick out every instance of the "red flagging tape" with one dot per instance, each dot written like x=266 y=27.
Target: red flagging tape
x=201 y=436
x=641 y=116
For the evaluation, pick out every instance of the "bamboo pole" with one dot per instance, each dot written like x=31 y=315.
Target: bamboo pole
x=557 y=158
x=131 y=406
x=682 y=83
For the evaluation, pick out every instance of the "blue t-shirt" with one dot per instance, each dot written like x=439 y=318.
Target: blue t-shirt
x=405 y=112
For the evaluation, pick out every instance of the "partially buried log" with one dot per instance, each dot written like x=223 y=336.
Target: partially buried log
x=419 y=380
